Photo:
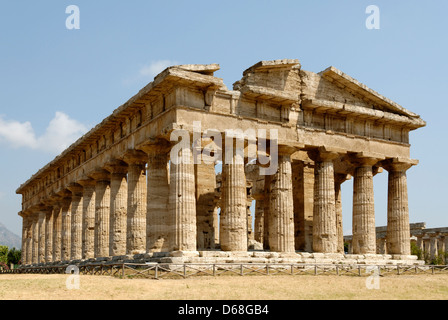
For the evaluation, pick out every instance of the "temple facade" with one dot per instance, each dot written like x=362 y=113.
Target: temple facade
x=166 y=175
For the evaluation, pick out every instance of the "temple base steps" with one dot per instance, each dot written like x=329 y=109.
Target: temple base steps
x=249 y=257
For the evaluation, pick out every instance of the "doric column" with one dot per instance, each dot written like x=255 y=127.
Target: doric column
x=259 y=220
x=339 y=179
x=205 y=181
x=157 y=219
x=76 y=222
x=66 y=227
x=303 y=193
x=182 y=201
x=427 y=246
x=420 y=243
x=325 y=238
x=118 y=207
x=26 y=239
x=382 y=246
x=88 y=222
x=102 y=212
x=433 y=251
x=363 y=223
x=49 y=232
x=41 y=251
x=57 y=231
x=281 y=222
x=233 y=220
x=398 y=229
x=266 y=211
x=35 y=242
x=136 y=211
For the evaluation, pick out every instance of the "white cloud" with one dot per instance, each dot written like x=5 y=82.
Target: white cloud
x=147 y=72
x=155 y=67
x=60 y=133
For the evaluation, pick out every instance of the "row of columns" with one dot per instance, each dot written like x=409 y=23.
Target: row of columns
x=433 y=244
x=128 y=208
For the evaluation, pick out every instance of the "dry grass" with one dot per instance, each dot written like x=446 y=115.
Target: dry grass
x=53 y=287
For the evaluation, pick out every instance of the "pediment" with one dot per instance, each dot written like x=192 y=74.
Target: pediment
x=335 y=92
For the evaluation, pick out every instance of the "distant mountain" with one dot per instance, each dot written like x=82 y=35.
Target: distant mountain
x=10 y=239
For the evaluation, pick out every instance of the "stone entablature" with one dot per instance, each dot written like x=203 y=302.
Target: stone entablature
x=115 y=191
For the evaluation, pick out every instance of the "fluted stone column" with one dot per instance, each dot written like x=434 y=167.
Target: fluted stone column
x=136 y=211
x=76 y=222
x=325 y=238
x=118 y=207
x=382 y=249
x=266 y=211
x=339 y=179
x=433 y=251
x=205 y=180
x=27 y=239
x=49 y=236
x=427 y=246
x=363 y=224
x=158 y=221
x=398 y=229
x=102 y=212
x=233 y=222
x=303 y=193
x=66 y=228
x=35 y=242
x=88 y=222
x=281 y=222
x=41 y=250
x=57 y=231
x=420 y=243
x=259 y=220
x=182 y=201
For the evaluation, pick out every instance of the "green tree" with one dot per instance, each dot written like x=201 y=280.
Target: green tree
x=14 y=256
x=4 y=254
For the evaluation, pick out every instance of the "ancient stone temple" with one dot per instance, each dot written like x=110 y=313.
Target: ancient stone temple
x=171 y=174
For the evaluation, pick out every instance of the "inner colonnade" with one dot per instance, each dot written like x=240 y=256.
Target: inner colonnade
x=121 y=191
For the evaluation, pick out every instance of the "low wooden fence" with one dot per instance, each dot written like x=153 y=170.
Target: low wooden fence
x=183 y=271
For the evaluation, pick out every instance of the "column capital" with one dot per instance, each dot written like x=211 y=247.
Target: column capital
x=325 y=154
x=100 y=175
x=398 y=164
x=87 y=182
x=365 y=159
x=116 y=167
x=340 y=178
x=76 y=189
x=135 y=157
x=156 y=146
x=287 y=150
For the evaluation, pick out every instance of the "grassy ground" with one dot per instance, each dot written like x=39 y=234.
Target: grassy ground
x=53 y=287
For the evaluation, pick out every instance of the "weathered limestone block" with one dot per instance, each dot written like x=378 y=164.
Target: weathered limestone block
x=233 y=220
x=76 y=221
x=281 y=222
x=136 y=226
x=118 y=208
x=88 y=222
x=158 y=226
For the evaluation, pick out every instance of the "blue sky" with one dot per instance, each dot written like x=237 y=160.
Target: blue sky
x=56 y=83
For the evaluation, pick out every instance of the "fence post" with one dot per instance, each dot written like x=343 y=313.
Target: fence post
x=122 y=271
x=157 y=272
